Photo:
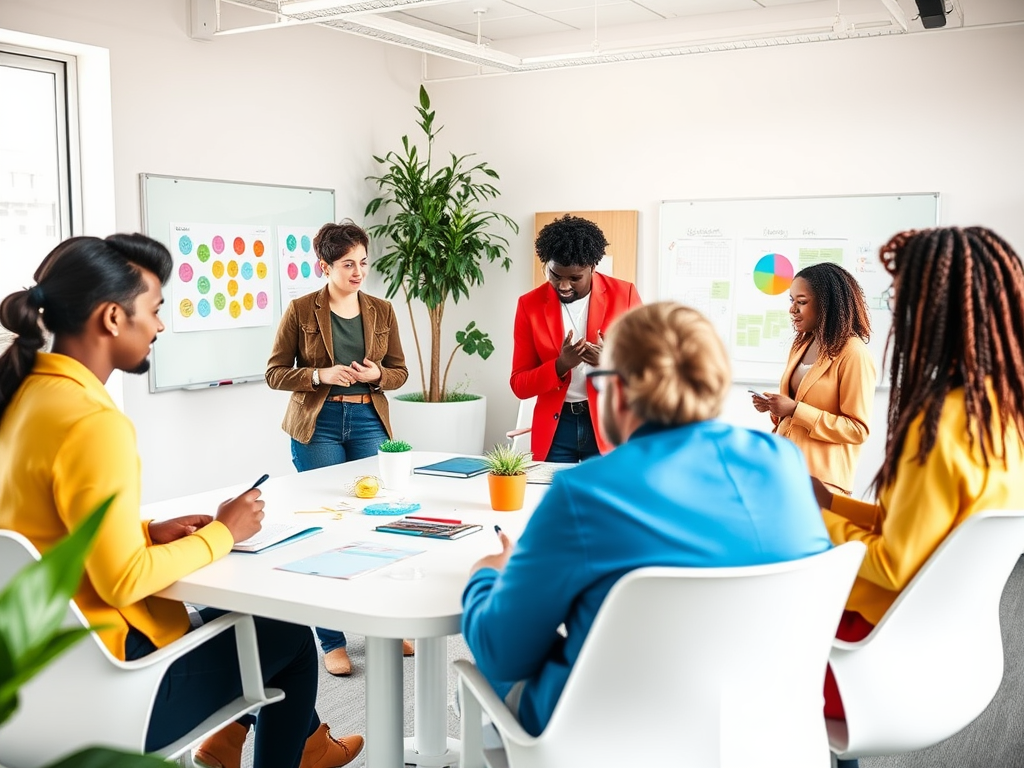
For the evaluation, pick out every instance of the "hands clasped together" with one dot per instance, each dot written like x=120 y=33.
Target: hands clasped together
x=575 y=352
x=347 y=375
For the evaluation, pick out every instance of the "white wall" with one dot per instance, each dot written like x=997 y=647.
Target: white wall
x=306 y=107
x=935 y=112
x=932 y=112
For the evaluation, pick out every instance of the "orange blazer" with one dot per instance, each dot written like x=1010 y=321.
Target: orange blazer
x=538 y=342
x=833 y=412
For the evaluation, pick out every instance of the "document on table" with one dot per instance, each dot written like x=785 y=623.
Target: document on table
x=349 y=561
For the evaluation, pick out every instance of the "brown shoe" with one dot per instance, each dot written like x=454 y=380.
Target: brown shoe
x=223 y=749
x=324 y=751
x=338 y=663
x=407 y=648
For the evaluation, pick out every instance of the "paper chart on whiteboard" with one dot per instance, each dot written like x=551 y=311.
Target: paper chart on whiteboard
x=221 y=277
x=299 y=267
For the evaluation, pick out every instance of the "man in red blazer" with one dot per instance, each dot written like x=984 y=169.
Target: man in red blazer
x=558 y=338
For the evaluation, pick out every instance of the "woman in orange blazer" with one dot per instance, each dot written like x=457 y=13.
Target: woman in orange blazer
x=828 y=388
x=558 y=336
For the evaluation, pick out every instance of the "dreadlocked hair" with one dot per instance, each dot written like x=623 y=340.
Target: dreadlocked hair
x=842 y=310
x=571 y=242
x=958 y=321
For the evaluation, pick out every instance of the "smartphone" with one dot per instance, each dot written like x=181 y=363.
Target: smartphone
x=757 y=394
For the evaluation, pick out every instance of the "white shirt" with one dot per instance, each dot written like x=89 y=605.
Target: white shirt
x=574 y=318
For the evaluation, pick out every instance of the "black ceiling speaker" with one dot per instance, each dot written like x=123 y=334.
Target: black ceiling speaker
x=933 y=13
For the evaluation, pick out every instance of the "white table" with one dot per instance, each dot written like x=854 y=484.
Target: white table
x=419 y=597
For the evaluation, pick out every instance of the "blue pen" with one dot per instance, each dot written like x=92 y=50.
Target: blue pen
x=260 y=482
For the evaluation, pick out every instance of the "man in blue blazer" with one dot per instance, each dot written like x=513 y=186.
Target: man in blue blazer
x=680 y=489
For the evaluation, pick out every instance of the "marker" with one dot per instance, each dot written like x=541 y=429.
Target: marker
x=497 y=529
x=434 y=519
x=260 y=482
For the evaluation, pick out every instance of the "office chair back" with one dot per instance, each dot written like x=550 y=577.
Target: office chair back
x=935 y=660
x=699 y=667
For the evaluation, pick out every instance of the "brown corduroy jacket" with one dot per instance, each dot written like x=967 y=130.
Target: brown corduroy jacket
x=304 y=342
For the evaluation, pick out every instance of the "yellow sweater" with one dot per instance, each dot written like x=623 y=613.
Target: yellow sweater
x=923 y=505
x=64 y=448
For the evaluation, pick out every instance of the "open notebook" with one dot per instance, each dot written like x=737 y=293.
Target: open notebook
x=273 y=535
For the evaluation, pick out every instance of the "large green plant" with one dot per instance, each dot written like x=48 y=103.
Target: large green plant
x=437 y=238
x=32 y=609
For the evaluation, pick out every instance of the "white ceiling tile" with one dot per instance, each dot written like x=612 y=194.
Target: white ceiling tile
x=520 y=26
x=671 y=9
x=607 y=16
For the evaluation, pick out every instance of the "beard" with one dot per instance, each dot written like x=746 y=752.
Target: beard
x=141 y=368
x=568 y=299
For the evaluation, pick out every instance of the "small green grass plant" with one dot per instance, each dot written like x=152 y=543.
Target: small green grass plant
x=503 y=460
x=394 y=446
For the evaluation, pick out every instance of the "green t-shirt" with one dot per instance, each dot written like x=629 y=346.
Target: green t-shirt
x=347 y=338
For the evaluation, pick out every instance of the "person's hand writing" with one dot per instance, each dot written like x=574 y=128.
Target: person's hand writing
x=166 y=531
x=338 y=375
x=571 y=354
x=780 y=405
x=824 y=496
x=497 y=561
x=367 y=371
x=243 y=515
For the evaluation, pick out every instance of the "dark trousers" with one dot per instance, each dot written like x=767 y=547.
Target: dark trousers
x=207 y=678
x=574 y=438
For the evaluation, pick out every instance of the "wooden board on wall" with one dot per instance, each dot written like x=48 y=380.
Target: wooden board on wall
x=620 y=230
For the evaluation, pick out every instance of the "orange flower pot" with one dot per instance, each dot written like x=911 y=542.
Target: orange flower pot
x=507 y=492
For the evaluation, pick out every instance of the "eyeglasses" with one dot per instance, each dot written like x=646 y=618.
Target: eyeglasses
x=597 y=377
x=889 y=297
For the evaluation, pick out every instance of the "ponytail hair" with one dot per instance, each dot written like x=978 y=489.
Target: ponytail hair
x=75 y=277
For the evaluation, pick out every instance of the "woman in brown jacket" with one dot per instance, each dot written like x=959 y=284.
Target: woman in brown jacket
x=337 y=351
x=828 y=388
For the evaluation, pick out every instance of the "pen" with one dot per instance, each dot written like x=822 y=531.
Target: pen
x=434 y=519
x=497 y=529
x=260 y=482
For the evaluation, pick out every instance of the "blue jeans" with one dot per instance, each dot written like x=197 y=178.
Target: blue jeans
x=343 y=432
x=574 y=438
x=206 y=678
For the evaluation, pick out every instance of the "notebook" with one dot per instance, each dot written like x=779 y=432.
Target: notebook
x=462 y=466
x=428 y=529
x=273 y=535
x=543 y=472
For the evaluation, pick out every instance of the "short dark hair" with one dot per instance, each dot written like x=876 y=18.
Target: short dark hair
x=75 y=277
x=572 y=242
x=336 y=240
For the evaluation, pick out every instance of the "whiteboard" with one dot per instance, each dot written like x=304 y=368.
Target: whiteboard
x=734 y=261
x=241 y=252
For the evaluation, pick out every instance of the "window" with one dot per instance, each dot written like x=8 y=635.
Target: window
x=40 y=201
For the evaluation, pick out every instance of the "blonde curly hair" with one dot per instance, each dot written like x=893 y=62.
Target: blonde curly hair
x=672 y=363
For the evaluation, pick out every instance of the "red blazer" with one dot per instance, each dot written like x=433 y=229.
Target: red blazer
x=538 y=342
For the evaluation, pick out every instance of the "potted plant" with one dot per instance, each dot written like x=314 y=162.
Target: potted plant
x=394 y=461
x=32 y=610
x=506 y=477
x=436 y=239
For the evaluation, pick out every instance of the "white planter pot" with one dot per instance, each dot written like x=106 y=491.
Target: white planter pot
x=395 y=469
x=449 y=427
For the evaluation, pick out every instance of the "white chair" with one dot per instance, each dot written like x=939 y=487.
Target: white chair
x=935 y=660
x=699 y=667
x=520 y=436
x=87 y=697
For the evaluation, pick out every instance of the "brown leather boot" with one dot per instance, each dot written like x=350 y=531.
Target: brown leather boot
x=223 y=749
x=324 y=751
x=338 y=663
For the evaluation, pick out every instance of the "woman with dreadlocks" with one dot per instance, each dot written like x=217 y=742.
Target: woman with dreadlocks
x=825 y=398
x=956 y=413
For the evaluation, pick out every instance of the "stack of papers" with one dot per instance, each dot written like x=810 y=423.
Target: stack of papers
x=349 y=561
x=543 y=472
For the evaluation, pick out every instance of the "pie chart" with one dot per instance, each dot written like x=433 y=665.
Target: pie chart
x=773 y=274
